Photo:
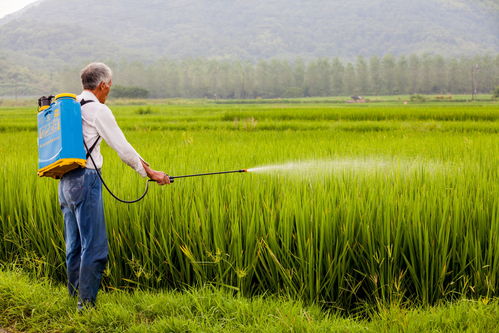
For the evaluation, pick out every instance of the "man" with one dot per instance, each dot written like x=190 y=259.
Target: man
x=80 y=191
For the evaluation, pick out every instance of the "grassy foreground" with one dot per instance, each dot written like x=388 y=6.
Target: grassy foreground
x=33 y=305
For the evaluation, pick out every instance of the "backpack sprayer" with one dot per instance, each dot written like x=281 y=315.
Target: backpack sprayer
x=61 y=147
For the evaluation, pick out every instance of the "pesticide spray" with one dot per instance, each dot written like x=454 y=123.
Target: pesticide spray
x=367 y=166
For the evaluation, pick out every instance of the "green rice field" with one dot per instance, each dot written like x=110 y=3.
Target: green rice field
x=345 y=206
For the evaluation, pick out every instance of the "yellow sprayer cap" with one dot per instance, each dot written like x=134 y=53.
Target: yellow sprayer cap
x=65 y=95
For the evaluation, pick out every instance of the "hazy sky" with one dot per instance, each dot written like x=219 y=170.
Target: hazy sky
x=10 y=6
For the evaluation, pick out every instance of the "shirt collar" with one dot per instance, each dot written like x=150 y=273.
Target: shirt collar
x=88 y=96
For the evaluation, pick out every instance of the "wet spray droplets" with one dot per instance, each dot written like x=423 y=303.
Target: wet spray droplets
x=316 y=168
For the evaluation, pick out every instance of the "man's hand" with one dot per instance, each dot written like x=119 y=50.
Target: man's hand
x=158 y=176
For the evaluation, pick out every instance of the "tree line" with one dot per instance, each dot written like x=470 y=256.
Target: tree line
x=277 y=78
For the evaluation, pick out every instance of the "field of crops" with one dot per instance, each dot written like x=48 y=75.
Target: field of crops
x=348 y=205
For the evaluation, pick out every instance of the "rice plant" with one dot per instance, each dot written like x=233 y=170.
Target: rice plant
x=352 y=206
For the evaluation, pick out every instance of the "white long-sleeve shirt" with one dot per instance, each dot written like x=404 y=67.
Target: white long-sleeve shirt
x=98 y=119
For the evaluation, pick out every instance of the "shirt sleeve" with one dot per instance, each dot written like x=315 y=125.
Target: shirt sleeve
x=108 y=129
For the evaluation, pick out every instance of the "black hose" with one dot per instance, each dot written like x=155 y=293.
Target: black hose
x=107 y=188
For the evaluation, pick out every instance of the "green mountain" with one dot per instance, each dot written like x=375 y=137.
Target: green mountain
x=57 y=32
x=60 y=35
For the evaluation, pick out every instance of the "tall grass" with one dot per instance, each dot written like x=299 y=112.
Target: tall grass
x=347 y=239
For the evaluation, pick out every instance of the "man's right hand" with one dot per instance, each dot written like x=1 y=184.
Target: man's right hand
x=158 y=176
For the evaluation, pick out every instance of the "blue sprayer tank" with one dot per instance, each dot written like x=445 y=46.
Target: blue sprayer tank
x=60 y=136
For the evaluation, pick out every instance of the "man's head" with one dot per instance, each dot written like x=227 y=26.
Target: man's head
x=97 y=77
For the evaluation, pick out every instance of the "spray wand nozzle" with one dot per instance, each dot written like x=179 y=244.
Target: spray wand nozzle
x=172 y=178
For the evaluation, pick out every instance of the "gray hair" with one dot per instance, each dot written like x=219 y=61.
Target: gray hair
x=95 y=73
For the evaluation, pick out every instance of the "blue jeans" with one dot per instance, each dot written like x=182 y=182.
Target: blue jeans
x=80 y=196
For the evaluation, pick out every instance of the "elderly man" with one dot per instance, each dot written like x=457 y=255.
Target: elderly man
x=80 y=191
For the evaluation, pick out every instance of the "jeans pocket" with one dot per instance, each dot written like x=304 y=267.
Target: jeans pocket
x=93 y=179
x=73 y=188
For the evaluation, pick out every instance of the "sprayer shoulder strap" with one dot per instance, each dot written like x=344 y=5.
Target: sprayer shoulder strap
x=89 y=151
x=93 y=146
x=83 y=102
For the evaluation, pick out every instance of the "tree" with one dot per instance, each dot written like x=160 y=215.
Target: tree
x=362 y=76
x=128 y=92
x=426 y=77
x=337 y=71
x=388 y=71
x=375 y=75
x=350 y=80
x=495 y=93
x=414 y=73
x=317 y=77
x=402 y=75
x=438 y=75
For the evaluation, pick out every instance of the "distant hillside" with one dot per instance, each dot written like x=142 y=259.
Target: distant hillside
x=53 y=36
x=57 y=32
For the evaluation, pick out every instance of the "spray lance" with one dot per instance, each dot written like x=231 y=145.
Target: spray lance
x=172 y=178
